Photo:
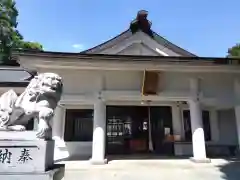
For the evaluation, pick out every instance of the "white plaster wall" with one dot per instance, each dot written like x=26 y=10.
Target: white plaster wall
x=79 y=149
x=123 y=80
x=80 y=81
x=213 y=85
x=174 y=82
x=217 y=85
x=69 y=150
x=87 y=81
x=227 y=127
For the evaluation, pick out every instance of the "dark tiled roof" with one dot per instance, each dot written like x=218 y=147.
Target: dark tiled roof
x=110 y=42
x=13 y=77
x=170 y=45
x=159 y=39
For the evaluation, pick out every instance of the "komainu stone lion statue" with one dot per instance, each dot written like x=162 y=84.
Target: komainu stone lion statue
x=38 y=101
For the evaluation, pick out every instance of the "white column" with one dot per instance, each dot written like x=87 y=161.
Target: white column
x=99 y=133
x=57 y=122
x=198 y=141
x=177 y=121
x=237 y=107
x=237 y=116
x=214 y=125
x=58 y=132
x=177 y=128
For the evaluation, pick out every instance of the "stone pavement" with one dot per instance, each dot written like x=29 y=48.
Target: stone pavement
x=154 y=170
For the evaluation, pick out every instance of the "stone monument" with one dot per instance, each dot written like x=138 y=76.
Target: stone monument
x=29 y=154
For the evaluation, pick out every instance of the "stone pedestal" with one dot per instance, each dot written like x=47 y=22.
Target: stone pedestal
x=25 y=157
x=57 y=173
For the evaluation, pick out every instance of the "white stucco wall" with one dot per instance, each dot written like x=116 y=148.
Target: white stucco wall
x=213 y=85
x=227 y=127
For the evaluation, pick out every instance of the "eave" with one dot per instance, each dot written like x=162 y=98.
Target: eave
x=52 y=54
x=125 y=62
x=17 y=82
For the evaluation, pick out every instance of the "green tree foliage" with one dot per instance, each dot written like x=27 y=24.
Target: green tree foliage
x=30 y=45
x=10 y=38
x=234 y=51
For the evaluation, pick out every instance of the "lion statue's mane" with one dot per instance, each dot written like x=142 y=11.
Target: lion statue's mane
x=38 y=101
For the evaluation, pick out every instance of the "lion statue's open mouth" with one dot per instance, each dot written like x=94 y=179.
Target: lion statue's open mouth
x=39 y=100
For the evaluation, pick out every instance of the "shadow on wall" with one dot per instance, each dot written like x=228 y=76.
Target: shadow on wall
x=231 y=170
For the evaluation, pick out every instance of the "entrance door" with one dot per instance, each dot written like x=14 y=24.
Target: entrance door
x=161 y=124
x=128 y=129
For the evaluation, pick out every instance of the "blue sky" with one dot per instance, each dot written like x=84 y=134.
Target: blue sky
x=204 y=27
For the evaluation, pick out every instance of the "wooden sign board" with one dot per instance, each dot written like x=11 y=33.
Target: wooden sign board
x=150 y=83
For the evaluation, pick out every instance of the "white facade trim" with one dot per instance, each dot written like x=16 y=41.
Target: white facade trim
x=136 y=96
x=140 y=66
x=136 y=65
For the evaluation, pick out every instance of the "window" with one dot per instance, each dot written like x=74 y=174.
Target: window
x=206 y=125
x=78 y=125
x=187 y=125
x=188 y=129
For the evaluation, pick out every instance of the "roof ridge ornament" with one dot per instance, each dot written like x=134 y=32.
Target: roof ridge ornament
x=141 y=23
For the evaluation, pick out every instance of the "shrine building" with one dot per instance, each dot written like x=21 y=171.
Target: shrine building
x=139 y=94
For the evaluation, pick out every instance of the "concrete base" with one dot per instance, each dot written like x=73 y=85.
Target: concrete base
x=205 y=160
x=98 y=162
x=24 y=156
x=57 y=173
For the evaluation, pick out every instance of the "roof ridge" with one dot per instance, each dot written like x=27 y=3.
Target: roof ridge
x=114 y=38
x=172 y=44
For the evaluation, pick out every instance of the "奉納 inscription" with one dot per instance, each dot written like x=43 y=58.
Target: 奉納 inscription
x=25 y=156
x=5 y=156
x=14 y=156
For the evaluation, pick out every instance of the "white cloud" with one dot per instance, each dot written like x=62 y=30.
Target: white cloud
x=78 y=46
